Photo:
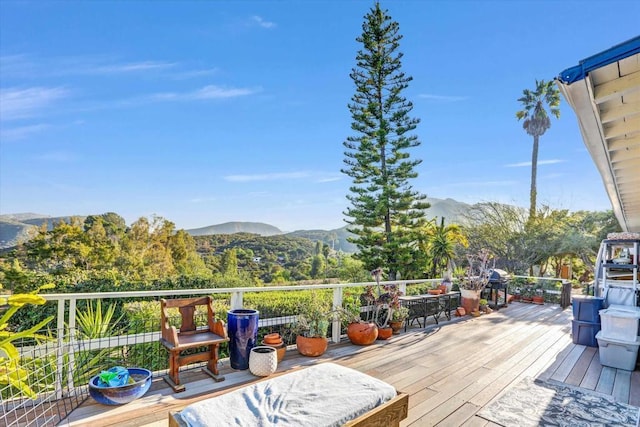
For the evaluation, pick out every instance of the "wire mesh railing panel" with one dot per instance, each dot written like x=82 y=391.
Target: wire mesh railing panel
x=38 y=388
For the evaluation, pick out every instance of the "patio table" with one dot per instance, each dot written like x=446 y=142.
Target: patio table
x=425 y=305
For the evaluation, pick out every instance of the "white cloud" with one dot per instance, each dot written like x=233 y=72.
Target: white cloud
x=329 y=179
x=202 y=199
x=266 y=177
x=262 y=23
x=444 y=98
x=207 y=92
x=184 y=75
x=528 y=164
x=23 y=103
x=124 y=67
x=482 y=184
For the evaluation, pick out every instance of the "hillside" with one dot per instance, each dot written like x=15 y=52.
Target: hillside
x=236 y=227
x=16 y=227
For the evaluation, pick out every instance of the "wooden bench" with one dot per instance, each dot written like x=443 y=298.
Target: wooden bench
x=191 y=336
x=326 y=394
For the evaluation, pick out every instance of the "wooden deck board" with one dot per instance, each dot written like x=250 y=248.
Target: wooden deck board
x=579 y=370
x=450 y=370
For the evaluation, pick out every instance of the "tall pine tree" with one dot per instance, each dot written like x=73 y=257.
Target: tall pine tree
x=386 y=213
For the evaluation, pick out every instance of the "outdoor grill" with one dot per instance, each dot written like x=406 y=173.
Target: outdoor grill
x=498 y=281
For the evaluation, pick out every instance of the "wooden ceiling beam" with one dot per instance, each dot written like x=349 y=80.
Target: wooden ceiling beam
x=624 y=143
x=630 y=125
x=617 y=87
x=619 y=112
x=621 y=155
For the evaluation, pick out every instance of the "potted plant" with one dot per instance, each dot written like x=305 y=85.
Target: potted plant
x=475 y=280
x=398 y=317
x=360 y=332
x=311 y=326
x=527 y=293
x=538 y=295
x=483 y=305
x=382 y=304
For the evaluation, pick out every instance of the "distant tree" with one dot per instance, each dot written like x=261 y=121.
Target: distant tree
x=385 y=211
x=439 y=244
x=317 y=266
x=230 y=262
x=536 y=122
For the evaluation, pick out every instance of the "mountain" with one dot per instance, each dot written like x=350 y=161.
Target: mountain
x=335 y=239
x=236 y=227
x=15 y=228
x=452 y=210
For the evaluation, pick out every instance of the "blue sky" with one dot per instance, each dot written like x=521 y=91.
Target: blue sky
x=207 y=112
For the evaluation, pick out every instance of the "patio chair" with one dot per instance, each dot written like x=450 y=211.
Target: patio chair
x=190 y=336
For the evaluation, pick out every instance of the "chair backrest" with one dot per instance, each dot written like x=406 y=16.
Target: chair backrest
x=187 y=308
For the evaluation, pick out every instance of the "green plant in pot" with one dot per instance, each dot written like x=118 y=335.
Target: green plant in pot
x=311 y=326
x=398 y=317
x=360 y=332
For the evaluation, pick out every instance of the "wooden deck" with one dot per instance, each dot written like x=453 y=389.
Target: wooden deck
x=450 y=370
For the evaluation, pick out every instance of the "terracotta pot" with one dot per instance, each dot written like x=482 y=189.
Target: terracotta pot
x=470 y=300
x=385 y=333
x=538 y=300
x=273 y=339
x=443 y=289
x=313 y=347
x=281 y=349
x=396 y=326
x=460 y=311
x=434 y=291
x=362 y=333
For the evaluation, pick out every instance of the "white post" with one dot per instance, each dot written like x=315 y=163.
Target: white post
x=236 y=300
x=337 y=303
x=59 y=353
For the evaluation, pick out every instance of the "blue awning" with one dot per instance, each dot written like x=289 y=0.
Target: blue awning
x=579 y=72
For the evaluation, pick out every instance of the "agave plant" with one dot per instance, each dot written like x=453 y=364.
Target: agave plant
x=94 y=323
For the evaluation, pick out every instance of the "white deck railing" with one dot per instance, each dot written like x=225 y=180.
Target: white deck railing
x=67 y=302
x=66 y=326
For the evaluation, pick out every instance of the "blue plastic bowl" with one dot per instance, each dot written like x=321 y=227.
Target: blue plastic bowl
x=122 y=394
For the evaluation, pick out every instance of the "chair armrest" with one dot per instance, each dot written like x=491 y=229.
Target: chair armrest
x=169 y=333
x=219 y=328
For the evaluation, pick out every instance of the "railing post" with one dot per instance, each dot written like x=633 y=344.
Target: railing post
x=336 y=324
x=59 y=347
x=236 y=300
x=71 y=349
x=402 y=287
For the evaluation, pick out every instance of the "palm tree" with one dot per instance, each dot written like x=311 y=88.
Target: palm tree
x=440 y=242
x=536 y=123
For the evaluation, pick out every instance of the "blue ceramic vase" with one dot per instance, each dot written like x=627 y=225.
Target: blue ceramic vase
x=242 y=326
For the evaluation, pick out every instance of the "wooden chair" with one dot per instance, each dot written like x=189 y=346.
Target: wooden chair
x=191 y=336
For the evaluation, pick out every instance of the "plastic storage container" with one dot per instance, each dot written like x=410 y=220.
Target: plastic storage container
x=586 y=308
x=619 y=325
x=618 y=354
x=629 y=308
x=584 y=333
